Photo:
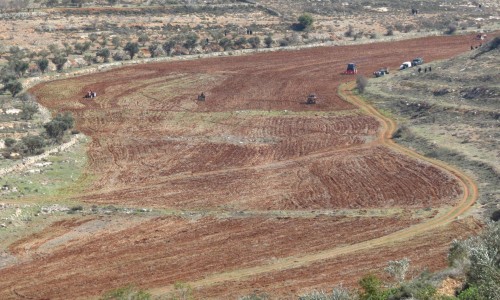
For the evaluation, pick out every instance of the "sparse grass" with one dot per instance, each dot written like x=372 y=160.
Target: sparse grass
x=65 y=169
x=451 y=128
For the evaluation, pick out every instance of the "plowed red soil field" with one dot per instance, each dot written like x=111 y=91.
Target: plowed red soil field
x=263 y=175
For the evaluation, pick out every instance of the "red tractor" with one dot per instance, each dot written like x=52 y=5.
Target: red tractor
x=351 y=69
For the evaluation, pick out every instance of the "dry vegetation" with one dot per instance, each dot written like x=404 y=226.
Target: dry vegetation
x=245 y=190
x=452 y=114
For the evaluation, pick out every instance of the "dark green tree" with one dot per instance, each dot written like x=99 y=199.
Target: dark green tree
x=43 y=53
x=254 y=41
x=19 y=67
x=16 y=53
x=132 y=49
x=143 y=38
x=55 y=129
x=240 y=42
x=54 y=49
x=190 y=41
x=33 y=144
x=42 y=64
x=304 y=21
x=481 y=257
x=59 y=61
x=14 y=87
x=225 y=43
x=104 y=53
x=268 y=41
x=169 y=46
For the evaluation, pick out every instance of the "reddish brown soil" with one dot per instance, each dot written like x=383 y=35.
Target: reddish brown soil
x=166 y=250
x=154 y=145
x=33 y=242
x=426 y=252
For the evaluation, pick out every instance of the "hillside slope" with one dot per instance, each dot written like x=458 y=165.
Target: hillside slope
x=451 y=113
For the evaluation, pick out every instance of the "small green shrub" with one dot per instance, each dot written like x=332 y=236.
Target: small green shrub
x=126 y=293
x=306 y=20
x=471 y=293
x=9 y=142
x=255 y=296
x=338 y=293
x=371 y=288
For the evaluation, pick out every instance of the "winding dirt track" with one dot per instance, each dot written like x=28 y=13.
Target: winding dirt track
x=257 y=187
x=470 y=194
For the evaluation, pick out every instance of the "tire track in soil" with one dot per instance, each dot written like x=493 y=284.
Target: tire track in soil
x=388 y=126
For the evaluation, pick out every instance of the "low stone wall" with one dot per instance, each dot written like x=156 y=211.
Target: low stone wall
x=28 y=161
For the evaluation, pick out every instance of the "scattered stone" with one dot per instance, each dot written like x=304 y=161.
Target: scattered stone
x=53 y=208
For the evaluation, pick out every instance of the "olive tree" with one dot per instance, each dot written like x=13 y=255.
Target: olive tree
x=268 y=41
x=104 y=53
x=28 y=110
x=59 y=61
x=33 y=144
x=42 y=64
x=143 y=38
x=132 y=49
x=13 y=86
x=57 y=127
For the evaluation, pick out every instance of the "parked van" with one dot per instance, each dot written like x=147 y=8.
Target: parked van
x=405 y=65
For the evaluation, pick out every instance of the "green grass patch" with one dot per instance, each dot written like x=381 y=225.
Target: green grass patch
x=58 y=177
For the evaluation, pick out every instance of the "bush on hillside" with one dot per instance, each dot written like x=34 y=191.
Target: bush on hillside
x=361 y=83
x=479 y=257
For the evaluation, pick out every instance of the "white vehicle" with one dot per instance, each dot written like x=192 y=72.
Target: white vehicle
x=405 y=65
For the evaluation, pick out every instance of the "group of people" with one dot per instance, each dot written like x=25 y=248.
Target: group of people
x=425 y=70
x=91 y=94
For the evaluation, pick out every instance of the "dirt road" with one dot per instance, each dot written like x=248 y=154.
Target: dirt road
x=447 y=216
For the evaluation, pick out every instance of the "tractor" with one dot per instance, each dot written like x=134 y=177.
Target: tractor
x=351 y=69
x=201 y=97
x=311 y=99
